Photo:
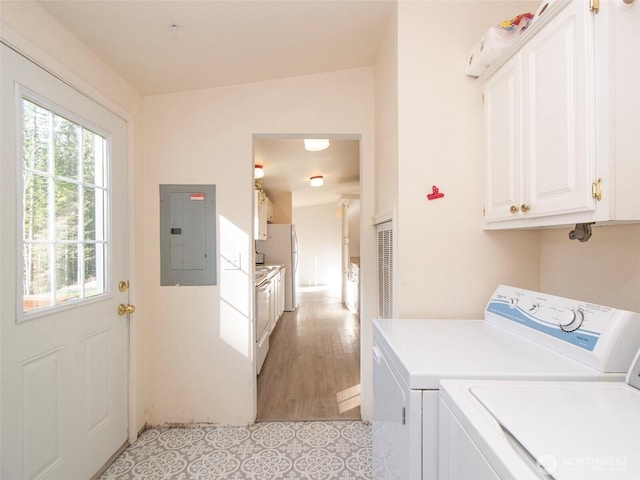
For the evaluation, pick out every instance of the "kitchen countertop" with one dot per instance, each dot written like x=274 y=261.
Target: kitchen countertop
x=265 y=272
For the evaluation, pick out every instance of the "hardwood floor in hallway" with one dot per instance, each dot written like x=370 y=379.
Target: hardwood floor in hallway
x=312 y=370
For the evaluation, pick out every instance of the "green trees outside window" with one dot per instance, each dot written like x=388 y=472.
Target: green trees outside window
x=64 y=200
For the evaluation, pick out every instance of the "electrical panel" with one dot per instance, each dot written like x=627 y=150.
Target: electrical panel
x=187 y=235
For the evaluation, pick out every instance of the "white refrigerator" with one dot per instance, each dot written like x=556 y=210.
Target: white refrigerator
x=281 y=248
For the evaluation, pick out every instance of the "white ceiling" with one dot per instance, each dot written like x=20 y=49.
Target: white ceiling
x=224 y=42
x=288 y=168
x=228 y=42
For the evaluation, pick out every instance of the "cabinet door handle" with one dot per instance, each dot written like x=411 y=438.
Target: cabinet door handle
x=524 y=208
x=513 y=209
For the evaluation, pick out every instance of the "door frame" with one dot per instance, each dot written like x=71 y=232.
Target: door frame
x=15 y=41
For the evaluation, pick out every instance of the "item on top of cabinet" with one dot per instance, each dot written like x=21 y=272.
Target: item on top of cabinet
x=518 y=23
x=541 y=9
x=474 y=68
x=494 y=43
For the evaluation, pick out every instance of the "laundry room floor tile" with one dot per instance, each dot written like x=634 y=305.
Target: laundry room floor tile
x=265 y=451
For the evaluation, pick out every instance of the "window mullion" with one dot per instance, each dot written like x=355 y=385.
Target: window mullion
x=81 y=236
x=51 y=207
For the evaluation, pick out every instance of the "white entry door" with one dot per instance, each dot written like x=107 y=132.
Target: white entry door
x=63 y=251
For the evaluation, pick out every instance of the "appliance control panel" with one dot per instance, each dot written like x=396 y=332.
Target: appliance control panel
x=582 y=330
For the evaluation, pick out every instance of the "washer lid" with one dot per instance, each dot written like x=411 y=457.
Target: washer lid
x=575 y=431
x=427 y=351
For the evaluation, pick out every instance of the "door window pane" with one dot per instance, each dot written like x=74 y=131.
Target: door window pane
x=93 y=277
x=36 y=278
x=90 y=213
x=93 y=158
x=64 y=204
x=36 y=211
x=67 y=274
x=67 y=210
x=36 y=126
x=66 y=136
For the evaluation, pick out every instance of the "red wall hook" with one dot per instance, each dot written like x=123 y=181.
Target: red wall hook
x=436 y=193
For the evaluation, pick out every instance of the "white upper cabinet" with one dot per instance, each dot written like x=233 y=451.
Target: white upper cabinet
x=626 y=102
x=559 y=115
x=269 y=211
x=554 y=122
x=260 y=216
x=503 y=174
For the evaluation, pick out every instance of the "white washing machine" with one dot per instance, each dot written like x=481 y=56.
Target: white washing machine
x=524 y=335
x=529 y=430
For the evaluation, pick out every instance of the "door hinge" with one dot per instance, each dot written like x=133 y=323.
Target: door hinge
x=404 y=415
x=483 y=98
x=594 y=6
x=596 y=189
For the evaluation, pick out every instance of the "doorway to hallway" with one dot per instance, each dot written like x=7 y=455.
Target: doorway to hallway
x=312 y=368
x=312 y=371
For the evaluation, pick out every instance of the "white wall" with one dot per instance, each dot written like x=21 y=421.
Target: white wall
x=319 y=239
x=386 y=98
x=441 y=247
x=604 y=270
x=200 y=340
x=440 y=143
x=35 y=33
x=282 y=211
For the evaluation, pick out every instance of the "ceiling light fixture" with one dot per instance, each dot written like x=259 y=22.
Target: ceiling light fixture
x=258 y=171
x=316 y=181
x=316 y=144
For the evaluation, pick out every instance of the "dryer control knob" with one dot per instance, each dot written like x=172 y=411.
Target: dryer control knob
x=570 y=320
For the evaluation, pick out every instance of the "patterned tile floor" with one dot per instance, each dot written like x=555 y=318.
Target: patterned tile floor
x=338 y=450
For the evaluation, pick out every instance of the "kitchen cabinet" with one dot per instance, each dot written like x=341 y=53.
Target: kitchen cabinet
x=554 y=123
x=263 y=318
x=281 y=293
x=269 y=210
x=272 y=279
x=263 y=214
x=277 y=287
x=260 y=216
x=269 y=305
x=273 y=314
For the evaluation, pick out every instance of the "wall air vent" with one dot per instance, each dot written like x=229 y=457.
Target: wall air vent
x=385 y=269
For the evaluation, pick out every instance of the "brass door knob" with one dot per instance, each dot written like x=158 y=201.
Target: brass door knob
x=122 y=309
x=524 y=208
x=513 y=209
